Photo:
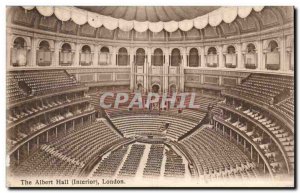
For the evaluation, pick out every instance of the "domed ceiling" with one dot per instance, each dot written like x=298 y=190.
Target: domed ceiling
x=151 y=13
x=77 y=22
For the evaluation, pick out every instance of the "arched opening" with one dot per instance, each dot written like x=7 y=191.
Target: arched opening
x=140 y=87
x=173 y=88
x=193 y=58
x=158 y=58
x=19 y=52
x=251 y=57
x=155 y=88
x=44 y=54
x=104 y=56
x=123 y=58
x=140 y=57
x=175 y=57
x=212 y=57
x=86 y=56
x=273 y=56
x=66 y=55
x=230 y=57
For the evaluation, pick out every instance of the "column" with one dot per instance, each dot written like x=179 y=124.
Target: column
x=33 y=52
x=114 y=57
x=240 y=63
x=9 y=46
x=184 y=55
x=55 y=59
x=77 y=55
x=96 y=55
x=132 y=69
x=149 y=62
x=282 y=47
x=260 y=56
x=221 y=56
x=202 y=57
x=166 y=70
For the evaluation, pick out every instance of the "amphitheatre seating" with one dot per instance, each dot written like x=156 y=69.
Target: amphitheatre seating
x=69 y=153
x=174 y=166
x=29 y=83
x=216 y=156
x=109 y=165
x=204 y=101
x=31 y=126
x=263 y=87
x=154 y=161
x=287 y=107
x=84 y=144
x=132 y=162
x=142 y=124
x=41 y=164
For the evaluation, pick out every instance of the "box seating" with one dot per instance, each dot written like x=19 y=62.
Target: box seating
x=281 y=133
x=215 y=155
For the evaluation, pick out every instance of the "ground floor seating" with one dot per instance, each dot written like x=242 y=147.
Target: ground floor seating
x=132 y=161
x=174 y=165
x=154 y=161
x=110 y=164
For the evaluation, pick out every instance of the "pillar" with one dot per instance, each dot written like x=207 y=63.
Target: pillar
x=55 y=59
x=202 y=57
x=221 y=56
x=96 y=55
x=260 y=56
x=240 y=63
x=77 y=55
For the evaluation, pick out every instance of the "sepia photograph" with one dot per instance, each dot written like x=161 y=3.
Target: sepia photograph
x=150 y=97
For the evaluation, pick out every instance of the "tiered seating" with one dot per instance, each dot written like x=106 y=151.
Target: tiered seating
x=132 y=161
x=287 y=107
x=12 y=89
x=44 y=164
x=174 y=165
x=204 y=101
x=190 y=114
x=281 y=133
x=263 y=87
x=21 y=131
x=82 y=145
x=109 y=165
x=154 y=161
x=37 y=83
x=145 y=124
x=215 y=155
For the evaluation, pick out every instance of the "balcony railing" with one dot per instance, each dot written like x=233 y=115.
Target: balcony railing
x=86 y=59
x=19 y=57
x=44 y=58
x=66 y=58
